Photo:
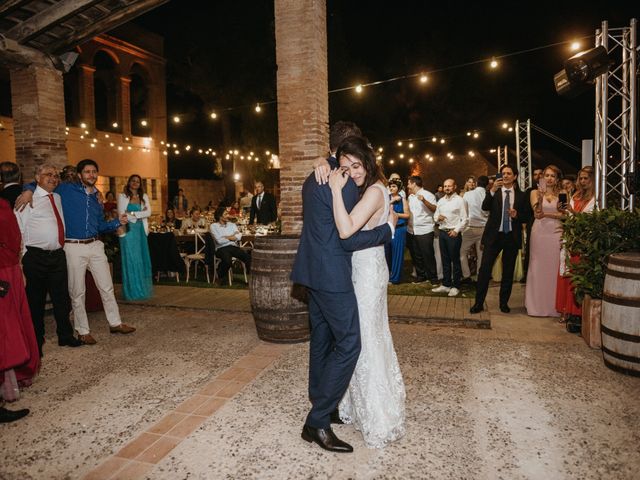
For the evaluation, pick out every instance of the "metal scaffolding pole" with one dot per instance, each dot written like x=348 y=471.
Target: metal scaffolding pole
x=523 y=153
x=503 y=158
x=616 y=123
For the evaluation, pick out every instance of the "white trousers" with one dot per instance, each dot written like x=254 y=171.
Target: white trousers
x=471 y=236
x=80 y=257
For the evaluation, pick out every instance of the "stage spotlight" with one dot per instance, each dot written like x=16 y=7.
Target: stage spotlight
x=581 y=70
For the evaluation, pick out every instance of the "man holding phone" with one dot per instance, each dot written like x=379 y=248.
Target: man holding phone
x=503 y=233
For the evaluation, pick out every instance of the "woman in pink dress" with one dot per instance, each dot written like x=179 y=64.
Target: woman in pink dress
x=19 y=355
x=544 y=263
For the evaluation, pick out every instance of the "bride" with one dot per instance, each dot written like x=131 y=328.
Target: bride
x=374 y=401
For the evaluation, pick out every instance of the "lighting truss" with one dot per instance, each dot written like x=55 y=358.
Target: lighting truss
x=616 y=123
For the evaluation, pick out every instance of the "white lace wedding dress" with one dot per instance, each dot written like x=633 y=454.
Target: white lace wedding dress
x=375 y=400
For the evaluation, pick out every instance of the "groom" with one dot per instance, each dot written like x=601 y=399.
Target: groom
x=323 y=265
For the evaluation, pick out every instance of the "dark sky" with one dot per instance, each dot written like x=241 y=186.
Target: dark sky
x=222 y=54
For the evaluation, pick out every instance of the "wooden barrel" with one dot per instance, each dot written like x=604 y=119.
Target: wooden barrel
x=279 y=307
x=621 y=314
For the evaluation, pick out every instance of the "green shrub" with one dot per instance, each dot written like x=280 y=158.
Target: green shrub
x=595 y=236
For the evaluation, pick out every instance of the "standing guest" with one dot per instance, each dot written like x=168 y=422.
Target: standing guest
x=401 y=207
x=227 y=237
x=170 y=219
x=492 y=180
x=44 y=263
x=11 y=187
x=195 y=220
x=469 y=185
x=439 y=192
x=83 y=221
x=396 y=176
x=451 y=215
x=263 y=206
x=537 y=174
x=137 y=283
x=503 y=233
x=569 y=185
x=544 y=264
x=422 y=204
x=19 y=357
x=180 y=203
x=69 y=174
x=472 y=235
x=583 y=201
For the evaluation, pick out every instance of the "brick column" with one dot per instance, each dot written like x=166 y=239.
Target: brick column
x=87 y=99
x=37 y=96
x=124 y=106
x=303 y=99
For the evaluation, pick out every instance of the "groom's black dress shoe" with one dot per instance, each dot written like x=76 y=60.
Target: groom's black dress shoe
x=69 y=342
x=477 y=308
x=504 y=308
x=7 y=416
x=335 y=418
x=326 y=439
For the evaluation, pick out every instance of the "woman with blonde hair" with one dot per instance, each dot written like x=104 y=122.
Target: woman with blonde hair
x=583 y=201
x=544 y=262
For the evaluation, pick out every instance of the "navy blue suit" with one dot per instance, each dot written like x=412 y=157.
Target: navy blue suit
x=323 y=265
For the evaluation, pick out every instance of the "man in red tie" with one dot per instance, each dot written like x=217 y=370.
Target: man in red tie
x=43 y=262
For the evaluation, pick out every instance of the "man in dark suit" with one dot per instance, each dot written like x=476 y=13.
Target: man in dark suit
x=11 y=187
x=263 y=206
x=323 y=265
x=503 y=233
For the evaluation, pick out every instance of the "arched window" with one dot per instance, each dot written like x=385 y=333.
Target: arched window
x=139 y=98
x=105 y=91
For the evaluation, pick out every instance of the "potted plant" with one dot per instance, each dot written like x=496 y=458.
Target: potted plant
x=595 y=236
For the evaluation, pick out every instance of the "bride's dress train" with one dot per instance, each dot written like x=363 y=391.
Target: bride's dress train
x=375 y=400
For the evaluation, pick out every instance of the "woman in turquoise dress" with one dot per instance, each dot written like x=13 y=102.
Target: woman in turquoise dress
x=137 y=283
x=401 y=207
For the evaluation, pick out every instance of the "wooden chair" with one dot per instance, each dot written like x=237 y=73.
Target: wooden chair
x=198 y=256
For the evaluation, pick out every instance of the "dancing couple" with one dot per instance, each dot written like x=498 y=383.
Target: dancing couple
x=354 y=376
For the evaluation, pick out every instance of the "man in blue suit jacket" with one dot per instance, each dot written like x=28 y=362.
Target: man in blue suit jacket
x=323 y=265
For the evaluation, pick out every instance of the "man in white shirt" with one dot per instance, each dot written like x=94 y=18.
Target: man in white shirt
x=44 y=262
x=422 y=204
x=451 y=216
x=227 y=237
x=472 y=235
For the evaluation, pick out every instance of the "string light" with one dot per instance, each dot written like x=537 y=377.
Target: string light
x=176 y=119
x=358 y=88
x=575 y=46
x=144 y=123
x=494 y=63
x=258 y=108
x=114 y=124
x=423 y=78
x=213 y=115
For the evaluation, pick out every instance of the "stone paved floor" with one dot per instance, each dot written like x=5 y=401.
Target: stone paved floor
x=194 y=394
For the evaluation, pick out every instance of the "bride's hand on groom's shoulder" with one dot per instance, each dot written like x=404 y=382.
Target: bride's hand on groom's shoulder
x=338 y=179
x=321 y=170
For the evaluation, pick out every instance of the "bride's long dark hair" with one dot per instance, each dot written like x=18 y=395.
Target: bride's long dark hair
x=359 y=147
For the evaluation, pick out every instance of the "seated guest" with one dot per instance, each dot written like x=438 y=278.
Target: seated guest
x=234 y=209
x=170 y=219
x=227 y=237
x=110 y=205
x=194 y=221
